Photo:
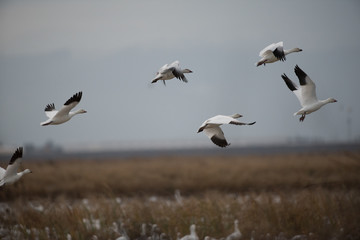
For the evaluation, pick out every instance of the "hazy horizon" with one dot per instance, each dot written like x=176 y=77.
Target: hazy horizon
x=110 y=50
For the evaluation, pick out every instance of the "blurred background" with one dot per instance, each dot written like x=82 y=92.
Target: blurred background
x=110 y=50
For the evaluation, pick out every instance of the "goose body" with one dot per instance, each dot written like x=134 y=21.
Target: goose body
x=306 y=93
x=236 y=235
x=193 y=235
x=65 y=113
x=211 y=128
x=11 y=174
x=170 y=71
x=275 y=52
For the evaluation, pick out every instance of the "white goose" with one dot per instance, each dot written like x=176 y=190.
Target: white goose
x=236 y=235
x=169 y=71
x=64 y=114
x=274 y=52
x=10 y=175
x=193 y=235
x=211 y=128
x=306 y=93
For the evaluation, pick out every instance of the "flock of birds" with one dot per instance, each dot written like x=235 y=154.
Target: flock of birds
x=236 y=235
x=155 y=234
x=306 y=93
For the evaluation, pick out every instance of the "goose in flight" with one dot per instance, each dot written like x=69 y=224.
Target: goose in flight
x=274 y=52
x=211 y=128
x=306 y=93
x=169 y=71
x=10 y=175
x=64 y=114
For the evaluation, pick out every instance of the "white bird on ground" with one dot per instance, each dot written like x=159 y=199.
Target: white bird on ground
x=155 y=232
x=306 y=93
x=301 y=237
x=169 y=71
x=64 y=114
x=10 y=175
x=211 y=128
x=193 y=235
x=274 y=52
x=236 y=235
x=211 y=238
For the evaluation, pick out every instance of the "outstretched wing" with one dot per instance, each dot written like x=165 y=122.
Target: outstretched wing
x=293 y=87
x=14 y=163
x=176 y=71
x=279 y=53
x=50 y=110
x=216 y=135
x=70 y=104
x=308 y=88
x=179 y=74
x=270 y=49
x=236 y=122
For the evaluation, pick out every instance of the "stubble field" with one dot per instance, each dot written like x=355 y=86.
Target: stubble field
x=316 y=195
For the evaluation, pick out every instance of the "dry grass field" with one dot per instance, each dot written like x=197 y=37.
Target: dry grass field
x=314 y=194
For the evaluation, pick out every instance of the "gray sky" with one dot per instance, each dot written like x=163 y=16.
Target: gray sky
x=111 y=50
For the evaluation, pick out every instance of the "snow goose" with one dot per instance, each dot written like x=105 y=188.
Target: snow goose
x=193 y=235
x=211 y=128
x=211 y=238
x=169 y=71
x=306 y=93
x=274 y=52
x=64 y=114
x=10 y=175
x=236 y=235
x=142 y=233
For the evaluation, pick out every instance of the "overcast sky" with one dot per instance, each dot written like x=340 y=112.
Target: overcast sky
x=111 y=50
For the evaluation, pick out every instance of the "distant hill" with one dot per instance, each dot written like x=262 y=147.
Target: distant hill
x=58 y=153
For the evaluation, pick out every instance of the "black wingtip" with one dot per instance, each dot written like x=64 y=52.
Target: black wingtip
x=75 y=98
x=50 y=107
x=288 y=82
x=201 y=129
x=300 y=74
x=17 y=154
x=279 y=54
x=220 y=142
x=179 y=75
x=297 y=69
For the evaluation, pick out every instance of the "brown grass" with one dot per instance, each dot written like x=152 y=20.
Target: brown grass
x=192 y=175
x=294 y=194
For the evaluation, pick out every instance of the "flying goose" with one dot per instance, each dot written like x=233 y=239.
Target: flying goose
x=64 y=114
x=274 y=52
x=211 y=128
x=10 y=175
x=169 y=71
x=306 y=93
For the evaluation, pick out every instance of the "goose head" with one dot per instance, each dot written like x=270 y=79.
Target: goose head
x=236 y=115
x=331 y=100
x=81 y=111
x=26 y=171
x=292 y=50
